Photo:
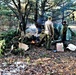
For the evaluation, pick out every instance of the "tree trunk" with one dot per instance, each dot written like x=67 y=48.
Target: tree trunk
x=24 y=24
x=36 y=12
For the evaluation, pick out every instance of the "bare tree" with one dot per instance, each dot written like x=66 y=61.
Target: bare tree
x=21 y=9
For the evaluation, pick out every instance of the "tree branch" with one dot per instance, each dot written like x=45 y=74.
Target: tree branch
x=26 y=8
x=15 y=3
x=14 y=11
x=56 y=4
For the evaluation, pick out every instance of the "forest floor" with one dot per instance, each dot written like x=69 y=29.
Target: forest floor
x=39 y=61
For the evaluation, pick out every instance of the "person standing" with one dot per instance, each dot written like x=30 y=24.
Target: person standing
x=49 y=31
x=64 y=31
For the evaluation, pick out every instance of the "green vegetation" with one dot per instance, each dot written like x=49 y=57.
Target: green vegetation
x=2 y=42
x=5 y=12
x=6 y=40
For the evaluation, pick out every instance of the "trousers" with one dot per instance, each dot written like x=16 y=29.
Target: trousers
x=48 y=41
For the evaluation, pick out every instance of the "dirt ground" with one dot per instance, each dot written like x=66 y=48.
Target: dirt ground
x=39 y=61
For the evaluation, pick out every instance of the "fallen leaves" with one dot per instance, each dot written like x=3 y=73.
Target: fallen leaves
x=40 y=61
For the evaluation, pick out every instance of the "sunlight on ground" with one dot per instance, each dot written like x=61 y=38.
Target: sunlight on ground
x=74 y=27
